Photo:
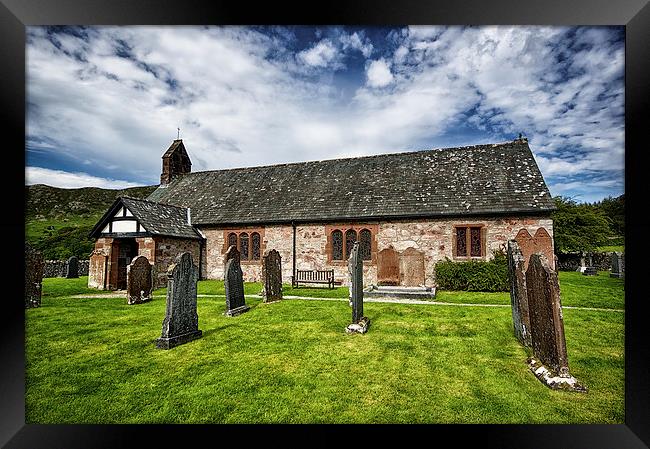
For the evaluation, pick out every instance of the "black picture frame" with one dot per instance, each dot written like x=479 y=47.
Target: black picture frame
x=16 y=14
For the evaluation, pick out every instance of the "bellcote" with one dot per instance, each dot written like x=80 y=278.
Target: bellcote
x=175 y=162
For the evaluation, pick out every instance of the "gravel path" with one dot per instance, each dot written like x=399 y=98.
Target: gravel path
x=384 y=300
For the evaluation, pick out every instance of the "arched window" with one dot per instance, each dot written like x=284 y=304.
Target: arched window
x=255 y=246
x=365 y=239
x=337 y=245
x=243 y=243
x=350 y=238
x=232 y=240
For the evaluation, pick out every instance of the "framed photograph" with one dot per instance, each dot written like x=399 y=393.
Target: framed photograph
x=430 y=174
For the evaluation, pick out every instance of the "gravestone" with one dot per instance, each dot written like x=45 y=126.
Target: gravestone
x=589 y=270
x=355 y=267
x=617 y=265
x=33 y=277
x=541 y=242
x=518 y=293
x=72 y=268
x=272 y=276
x=387 y=267
x=234 y=284
x=139 y=280
x=549 y=361
x=181 y=323
x=412 y=268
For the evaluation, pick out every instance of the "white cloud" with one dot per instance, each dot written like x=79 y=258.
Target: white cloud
x=243 y=98
x=378 y=74
x=67 y=180
x=357 y=42
x=320 y=55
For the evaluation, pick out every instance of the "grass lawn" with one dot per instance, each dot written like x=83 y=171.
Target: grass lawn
x=611 y=248
x=93 y=360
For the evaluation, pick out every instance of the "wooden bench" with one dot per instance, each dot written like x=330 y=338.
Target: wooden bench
x=313 y=277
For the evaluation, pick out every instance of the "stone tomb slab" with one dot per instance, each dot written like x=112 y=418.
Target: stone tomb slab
x=34 y=265
x=412 y=268
x=272 y=276
x=549 y=362
x=518 y=293
x=181 y=323
x=139 y=280
x=388 y=267
x=234 y=284
x=617 y=265
x=359 y=323
x=72 y=268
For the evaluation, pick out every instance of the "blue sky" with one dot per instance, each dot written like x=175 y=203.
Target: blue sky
x=104 y=103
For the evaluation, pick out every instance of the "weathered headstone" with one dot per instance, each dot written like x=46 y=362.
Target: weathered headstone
x=181 y=323
x=234 y=284
x=139 y=280
x=33 y=277
x=355 y=267
x=72 y=268
x=518 y=293
x=589 y=270
x=617 y=265
x=412 y=268
x=388 y=267
x=549 y=361
x=272 y=275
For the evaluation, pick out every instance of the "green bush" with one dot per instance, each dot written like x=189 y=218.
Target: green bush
x=474 y=275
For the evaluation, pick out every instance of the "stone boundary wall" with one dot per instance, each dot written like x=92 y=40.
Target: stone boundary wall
x=571 y=261
x=55 y=268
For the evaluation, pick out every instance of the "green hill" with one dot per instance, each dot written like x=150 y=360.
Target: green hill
x=57 y=221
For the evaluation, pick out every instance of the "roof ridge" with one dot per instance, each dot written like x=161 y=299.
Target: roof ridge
x=467 y=147
x=153 y=202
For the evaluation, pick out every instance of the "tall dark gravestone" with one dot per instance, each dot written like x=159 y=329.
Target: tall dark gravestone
x=181 y=323
x=139 y=280
x=72 y=268
x=549 y=362
x=518 y=293
x=272 y=275
x=617 y=265
x=33 y=277
x=234 y=284
x=355 y=267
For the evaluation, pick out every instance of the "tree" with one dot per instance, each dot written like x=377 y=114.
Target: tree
x=614 y=209
x=578 y=227
x=65 y=242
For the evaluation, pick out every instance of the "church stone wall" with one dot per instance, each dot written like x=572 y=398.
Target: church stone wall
x=167 y=248
x=433 y=237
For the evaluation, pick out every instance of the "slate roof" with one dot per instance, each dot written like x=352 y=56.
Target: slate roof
x=157 y=218
x=482 y=179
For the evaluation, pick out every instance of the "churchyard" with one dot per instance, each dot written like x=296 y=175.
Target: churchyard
x=456 y=360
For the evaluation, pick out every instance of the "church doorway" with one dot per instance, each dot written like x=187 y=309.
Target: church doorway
x=128 y=249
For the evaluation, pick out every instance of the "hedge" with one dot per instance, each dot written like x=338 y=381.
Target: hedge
x=474 y=275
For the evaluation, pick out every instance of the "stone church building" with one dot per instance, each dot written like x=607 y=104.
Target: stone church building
x=407 y=210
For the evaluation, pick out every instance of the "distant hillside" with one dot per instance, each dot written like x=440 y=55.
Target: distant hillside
x=53 y=203
x=57 y=221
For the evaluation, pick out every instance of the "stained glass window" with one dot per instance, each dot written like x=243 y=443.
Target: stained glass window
x=350 y=238
x=337 y=245
x=243 y=242
x=232 y=240
x=461 y=242
x=365 y=239
x=255 y=246
x=475 y=239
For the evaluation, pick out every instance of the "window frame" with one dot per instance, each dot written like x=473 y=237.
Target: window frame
x=344 y=228
x=468 y=241
x=249 y=232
